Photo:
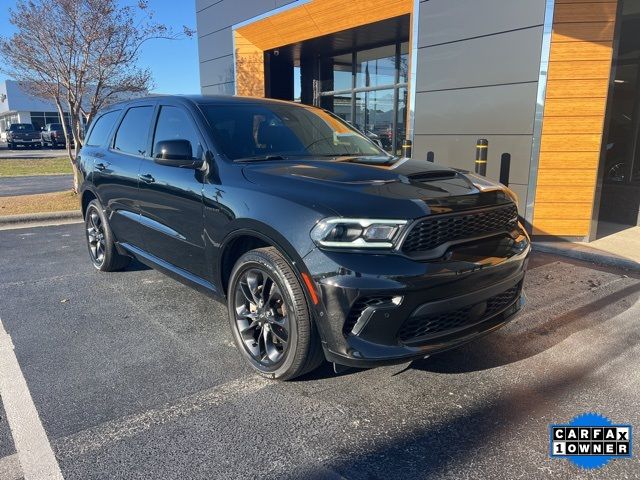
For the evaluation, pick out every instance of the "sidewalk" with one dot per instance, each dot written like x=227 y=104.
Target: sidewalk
x=619 y=250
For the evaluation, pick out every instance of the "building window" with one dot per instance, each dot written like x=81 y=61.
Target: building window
x=40 y=119
x=368 y=88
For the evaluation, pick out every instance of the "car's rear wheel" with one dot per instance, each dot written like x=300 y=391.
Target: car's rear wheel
x=100 y=241
x=270 y=318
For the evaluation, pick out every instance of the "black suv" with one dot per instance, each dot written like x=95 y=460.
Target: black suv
x=322 y=244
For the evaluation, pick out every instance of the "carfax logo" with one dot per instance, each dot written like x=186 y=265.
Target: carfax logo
x=590 y=441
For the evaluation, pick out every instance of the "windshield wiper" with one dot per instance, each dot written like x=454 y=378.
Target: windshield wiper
x=260 y=158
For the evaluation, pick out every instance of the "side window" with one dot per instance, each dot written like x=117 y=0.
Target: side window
x=175 y=124
x=131 y=136
x=101 y=128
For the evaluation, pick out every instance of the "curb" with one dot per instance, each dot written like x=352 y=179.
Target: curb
x=589 y=254
x=40 y=217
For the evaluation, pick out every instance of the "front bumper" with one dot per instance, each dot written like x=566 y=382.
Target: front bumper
x=23 y=141
x=387 y=309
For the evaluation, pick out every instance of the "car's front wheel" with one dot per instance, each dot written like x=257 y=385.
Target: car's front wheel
x=270 y=318
x=102 y=249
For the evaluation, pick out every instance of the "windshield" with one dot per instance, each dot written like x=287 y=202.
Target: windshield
x=280 y=130
x=21 y=127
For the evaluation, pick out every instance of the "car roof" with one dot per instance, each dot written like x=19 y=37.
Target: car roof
x=206 y=100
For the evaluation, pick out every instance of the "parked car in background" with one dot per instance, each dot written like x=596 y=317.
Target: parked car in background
x=23 y=134
x=53 y=135
x=323 y=245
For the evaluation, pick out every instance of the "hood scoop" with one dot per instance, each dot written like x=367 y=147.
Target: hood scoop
x=433 y=175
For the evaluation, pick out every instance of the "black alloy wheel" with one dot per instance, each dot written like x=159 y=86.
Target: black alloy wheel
x=262 y=317
x=270 y=318
x=102 y=250
x=95 y=238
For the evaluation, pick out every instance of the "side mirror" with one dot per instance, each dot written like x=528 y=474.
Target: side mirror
x=175 y=153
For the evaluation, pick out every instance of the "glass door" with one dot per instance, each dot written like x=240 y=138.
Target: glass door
x=368 y=88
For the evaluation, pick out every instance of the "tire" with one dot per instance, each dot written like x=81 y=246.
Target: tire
x=285 y=311
x=100 y=241
x=10 y=146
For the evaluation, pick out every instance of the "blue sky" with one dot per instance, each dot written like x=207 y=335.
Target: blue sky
x=174 y=63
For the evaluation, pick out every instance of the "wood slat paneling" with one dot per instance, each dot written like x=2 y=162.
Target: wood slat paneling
x=577 y=88
x=574 y=107
x=585 y=12
x=567 y=177
x=321 y=17
x=558 y=2
x=559 y=125
x=576 y=97
x=572 y=51
x=562 y=228
x=564 y=211
x=249 y=67
x=587 y=70
x=583 y=32
x=571 y=143
x=568 y=160
x=570 y=194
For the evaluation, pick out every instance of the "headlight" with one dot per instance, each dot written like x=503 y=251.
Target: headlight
x=357 y=232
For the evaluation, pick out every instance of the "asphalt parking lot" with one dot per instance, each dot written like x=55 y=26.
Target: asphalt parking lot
x=23 y=152
x=29 y=185
x=135 y=376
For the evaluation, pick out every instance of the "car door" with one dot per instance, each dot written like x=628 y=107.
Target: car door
x=171 y=197
x=116 y=170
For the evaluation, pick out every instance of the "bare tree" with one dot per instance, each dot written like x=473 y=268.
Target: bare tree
x=82 y=54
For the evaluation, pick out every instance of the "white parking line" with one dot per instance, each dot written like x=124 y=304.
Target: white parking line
x=98 y=437
x=32 y=444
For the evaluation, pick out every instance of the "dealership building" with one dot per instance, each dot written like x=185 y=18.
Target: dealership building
x=553 y=86
x=17 y=105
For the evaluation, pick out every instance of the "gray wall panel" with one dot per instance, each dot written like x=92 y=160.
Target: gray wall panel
x=504 y=109
x=446 y=20
x=202 y=4
x=230 y=12
x=521 y=191
x=220 y=89
x=459 y=151
x=477 y=77
x=215 y=45
x=217 y=71
x=496 y=59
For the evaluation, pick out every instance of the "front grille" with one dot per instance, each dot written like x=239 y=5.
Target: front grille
x=441 y=323
x=360 y=306
x=434 y=231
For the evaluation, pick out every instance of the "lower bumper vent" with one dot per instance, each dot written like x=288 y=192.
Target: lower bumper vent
x=439 y=324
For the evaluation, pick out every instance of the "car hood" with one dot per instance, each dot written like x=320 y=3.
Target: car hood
x=374 y=187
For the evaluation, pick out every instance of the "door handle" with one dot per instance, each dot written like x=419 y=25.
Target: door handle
x=101 y=166
x=146 y=178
